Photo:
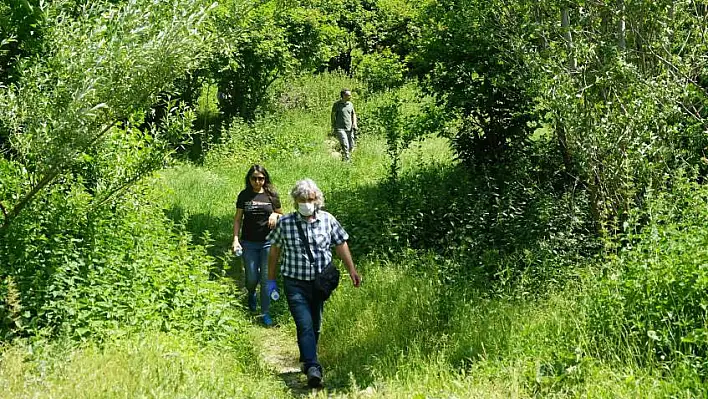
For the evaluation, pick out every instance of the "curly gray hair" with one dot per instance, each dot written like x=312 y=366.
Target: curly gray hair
x=304 y=189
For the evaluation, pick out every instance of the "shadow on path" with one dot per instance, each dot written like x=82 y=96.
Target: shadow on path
x=296 y=383
x=278 y=350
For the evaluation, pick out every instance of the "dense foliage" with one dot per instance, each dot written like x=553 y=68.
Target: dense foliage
x=616 y=88
x=83 y=250
x=578 y=134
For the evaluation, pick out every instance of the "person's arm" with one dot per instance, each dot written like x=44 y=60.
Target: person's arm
x=346 y=256
x=237 y=228
x=273 y=257
x=273 y=218
x=277 y=211
x=355 y=126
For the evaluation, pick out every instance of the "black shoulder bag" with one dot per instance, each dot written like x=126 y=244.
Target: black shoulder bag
x=325 y=282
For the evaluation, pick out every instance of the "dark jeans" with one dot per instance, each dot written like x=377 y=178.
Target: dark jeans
x=307 y=313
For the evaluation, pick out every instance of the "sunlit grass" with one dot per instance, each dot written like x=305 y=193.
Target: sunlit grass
x=395 y=337
x=153 y=365
x=403 y=334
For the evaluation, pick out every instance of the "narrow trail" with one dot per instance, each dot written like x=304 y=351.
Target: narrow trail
x=277 y=348
x=278 y=351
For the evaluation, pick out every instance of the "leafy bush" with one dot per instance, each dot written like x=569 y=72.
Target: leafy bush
x=371 y=26
x=472 y=59
x=21 y=35
x=81 y=252
x=102 y=72
x=508 y=226
x=414 y=109
x=313 y=35
x=379 y=70
x=313 y=92
x=506 y=69
x=87 y=270
x=653 y=296
x=258 y=43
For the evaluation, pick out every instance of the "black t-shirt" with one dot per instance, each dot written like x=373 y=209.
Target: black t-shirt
x=257 y=207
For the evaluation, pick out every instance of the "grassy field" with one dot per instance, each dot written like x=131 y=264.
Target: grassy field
x=150 y=365
x=397 y=336
x=401 y=335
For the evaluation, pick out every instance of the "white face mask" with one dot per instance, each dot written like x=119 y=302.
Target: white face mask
x=306 y=208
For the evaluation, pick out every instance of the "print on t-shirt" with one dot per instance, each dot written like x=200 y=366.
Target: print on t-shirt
x=257 y=207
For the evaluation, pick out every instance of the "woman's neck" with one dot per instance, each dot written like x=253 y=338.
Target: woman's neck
x=262 y=190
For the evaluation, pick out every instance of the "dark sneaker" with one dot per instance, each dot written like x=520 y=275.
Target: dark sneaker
x=252 y=302
x=314 y=377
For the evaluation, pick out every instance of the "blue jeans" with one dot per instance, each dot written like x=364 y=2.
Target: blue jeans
x=307 y=313
x=255 y=261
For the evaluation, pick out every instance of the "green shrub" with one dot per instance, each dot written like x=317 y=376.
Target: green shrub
x=102 y=71
x=508 y=231
x=86 y=270
x=380 y=70
x=653 y=296
x=313 y=92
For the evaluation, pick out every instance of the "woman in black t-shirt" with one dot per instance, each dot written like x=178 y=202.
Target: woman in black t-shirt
x=257 y=212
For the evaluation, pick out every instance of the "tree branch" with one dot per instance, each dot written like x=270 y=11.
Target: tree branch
x=48 y=178
x=51 y=175
x=118 y=189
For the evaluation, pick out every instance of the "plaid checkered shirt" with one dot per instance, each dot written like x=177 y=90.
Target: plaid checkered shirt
x=322 y=233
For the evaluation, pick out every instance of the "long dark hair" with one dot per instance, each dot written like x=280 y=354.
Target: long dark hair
x=267 y=185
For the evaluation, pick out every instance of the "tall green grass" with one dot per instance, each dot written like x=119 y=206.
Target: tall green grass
x=409 y=331
x=402 y=336
x=148 y=365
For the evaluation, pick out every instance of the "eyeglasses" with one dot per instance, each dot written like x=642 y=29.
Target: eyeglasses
x=258 y=178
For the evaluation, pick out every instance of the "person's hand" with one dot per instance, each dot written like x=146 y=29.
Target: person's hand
x=356 y=279
x=273 y=220
x=237 y=246
x=271 y=286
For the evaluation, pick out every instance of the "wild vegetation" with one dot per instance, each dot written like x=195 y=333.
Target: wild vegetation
x=526 y=200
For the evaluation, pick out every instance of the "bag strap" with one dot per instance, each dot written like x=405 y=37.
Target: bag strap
x=307 y=246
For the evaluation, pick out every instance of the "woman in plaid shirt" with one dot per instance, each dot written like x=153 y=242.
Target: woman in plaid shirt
x=322 y=231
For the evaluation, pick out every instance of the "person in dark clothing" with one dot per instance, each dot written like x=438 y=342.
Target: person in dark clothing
x=257 y=212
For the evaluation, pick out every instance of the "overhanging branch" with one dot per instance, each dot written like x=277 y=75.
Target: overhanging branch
x=48 y=178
